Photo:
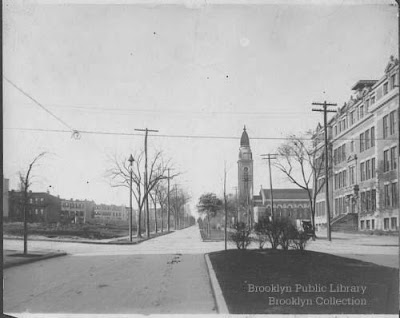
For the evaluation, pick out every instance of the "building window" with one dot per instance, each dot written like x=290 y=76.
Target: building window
x=372 y=100
x=386 y=223
x=394 y=194
x=368 y=200
x=362 y=225
x=393 y=223
x=352 y=118
x=362 y=201
x=392 y=122
x=387 y=195
x=362 y=171
x=372 y=137
x=393 y=81
x=361 y=111
x=351 y=175
x=373 y=199
x=367 y=170
x=373 y=168
x=352 y=146
x=367 y=105
x=385 y=126
x=393 y=159
x=335 y=128
x=368 y=224
x=366 y=136
x=372 y=224
x=386 y=163
x=385 y=88
x=361 y=142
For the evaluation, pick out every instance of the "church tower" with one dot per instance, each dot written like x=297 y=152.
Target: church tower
x=245 y=175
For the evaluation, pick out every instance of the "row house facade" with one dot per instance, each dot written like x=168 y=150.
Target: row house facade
x=77 y=211
x=363 y=145
x=41 y=207
x=104 y=212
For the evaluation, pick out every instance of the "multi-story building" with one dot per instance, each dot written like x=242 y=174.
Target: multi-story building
x=363 y=138
x=104 y=212
x=77 y=211
x=41 y=207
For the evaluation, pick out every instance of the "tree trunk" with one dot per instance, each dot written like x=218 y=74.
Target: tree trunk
x=155 y=217
x=139 y=222
x=25 y=223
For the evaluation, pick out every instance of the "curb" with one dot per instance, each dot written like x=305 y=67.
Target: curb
x=86 y=241
x=222 y=308
x=32 y=260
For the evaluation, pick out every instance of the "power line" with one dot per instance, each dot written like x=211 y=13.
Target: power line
x=39 y=104
x=99 y=132
x=177 y=111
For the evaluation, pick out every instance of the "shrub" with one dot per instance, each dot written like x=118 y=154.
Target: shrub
x=241 y=235
x=300 y=240
x=288 y=233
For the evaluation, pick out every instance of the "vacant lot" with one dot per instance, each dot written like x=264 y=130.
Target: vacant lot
x=87 y=231
x=291 y=282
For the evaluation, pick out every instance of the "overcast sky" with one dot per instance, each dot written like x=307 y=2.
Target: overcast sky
x=183 y=70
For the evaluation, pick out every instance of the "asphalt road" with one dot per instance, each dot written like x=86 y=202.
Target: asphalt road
x=160 y=276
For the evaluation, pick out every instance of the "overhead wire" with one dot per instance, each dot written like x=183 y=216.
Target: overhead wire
x=113 y=133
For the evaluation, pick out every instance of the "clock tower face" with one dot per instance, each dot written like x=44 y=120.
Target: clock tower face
x=245 y=171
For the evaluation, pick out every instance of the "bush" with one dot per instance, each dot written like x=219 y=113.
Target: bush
x=300 y=240
x=241 y=235
x=280 y=232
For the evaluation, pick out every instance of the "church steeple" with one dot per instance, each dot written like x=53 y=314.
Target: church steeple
x=245 y=175
x=244 y=140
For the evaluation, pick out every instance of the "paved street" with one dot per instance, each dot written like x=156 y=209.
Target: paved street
x=163 y=275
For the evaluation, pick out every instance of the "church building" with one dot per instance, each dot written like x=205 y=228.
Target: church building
x=291 y=203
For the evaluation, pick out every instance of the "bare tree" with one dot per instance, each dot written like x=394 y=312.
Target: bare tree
x=119 y=175
x=303 y=165
x=161 y=193
x=25 y=183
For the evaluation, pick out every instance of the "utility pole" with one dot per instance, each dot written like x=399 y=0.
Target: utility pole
x=168 y=205
x=237 y=205
x=176 y=207
x=270 y=181
x=155 y=212
x=146 y=194
x=226 y=212
x=325 y=110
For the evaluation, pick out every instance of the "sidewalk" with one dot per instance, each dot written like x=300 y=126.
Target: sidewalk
x=124 y=240
x=14 y=258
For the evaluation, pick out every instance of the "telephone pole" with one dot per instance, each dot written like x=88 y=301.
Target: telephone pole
x=226 y=211
x=270 y=156
x=325 y=110
x=168 y=205
x=146 y=194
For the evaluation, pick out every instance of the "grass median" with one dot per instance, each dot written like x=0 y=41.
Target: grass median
x=294 y=282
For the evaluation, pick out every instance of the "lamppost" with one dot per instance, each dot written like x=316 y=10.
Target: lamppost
x=131 y=160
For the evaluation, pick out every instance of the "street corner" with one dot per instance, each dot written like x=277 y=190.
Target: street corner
x=13 y=258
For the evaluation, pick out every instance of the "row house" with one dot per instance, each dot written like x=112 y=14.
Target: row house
x=41 y=207
x=104 y=212
x=363 y=145
x=77 y=211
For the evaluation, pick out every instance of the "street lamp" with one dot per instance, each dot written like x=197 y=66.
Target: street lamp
x=131 y=160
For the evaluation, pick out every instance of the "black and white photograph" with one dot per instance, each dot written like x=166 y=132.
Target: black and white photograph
x=200 y=158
